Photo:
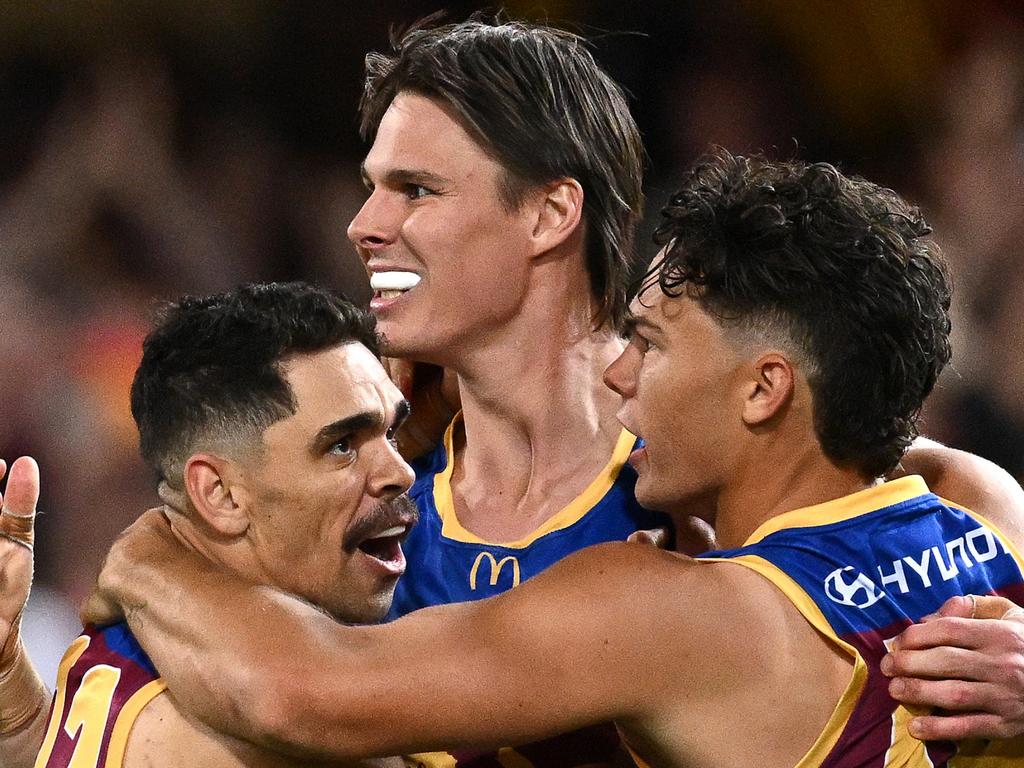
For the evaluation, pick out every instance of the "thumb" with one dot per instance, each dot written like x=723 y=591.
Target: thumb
x=17 y=513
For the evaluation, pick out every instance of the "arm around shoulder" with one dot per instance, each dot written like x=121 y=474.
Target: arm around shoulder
x=970 y=481
x=561 y=651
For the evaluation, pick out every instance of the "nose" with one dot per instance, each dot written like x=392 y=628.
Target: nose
x=389 y=474
x=620 y=376
x=374 y=226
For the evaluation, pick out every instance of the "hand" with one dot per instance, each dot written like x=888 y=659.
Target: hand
x=146 y=541
x=967 y=659
x=17 y=520
x=433 y=393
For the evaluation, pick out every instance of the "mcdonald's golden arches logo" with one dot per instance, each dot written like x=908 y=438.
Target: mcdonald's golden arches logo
x=496 y=566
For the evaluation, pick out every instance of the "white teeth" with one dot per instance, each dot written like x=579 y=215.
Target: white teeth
x=390 y=294
x=398 y=530
x=393 y=281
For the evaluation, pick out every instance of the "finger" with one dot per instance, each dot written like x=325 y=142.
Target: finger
x=175 y=499
x=941 y=662
x=22 y=488
x=952 y=631
x=993 y=607
x=18 y=507
x=401 y=373
x=971 y=725
x=960 y=606
x=655 y=537
x=1016 y=613
x=100 y=611
x=953 y=695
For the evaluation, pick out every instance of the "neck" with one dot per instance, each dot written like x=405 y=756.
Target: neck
x=532 y=385
x=798 y=477
x=539 y=422
x=225 y=552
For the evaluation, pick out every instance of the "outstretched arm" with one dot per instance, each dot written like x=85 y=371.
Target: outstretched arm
x=552 y=655
x=23 y=697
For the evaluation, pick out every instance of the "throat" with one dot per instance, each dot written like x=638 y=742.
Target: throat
x=508 y=502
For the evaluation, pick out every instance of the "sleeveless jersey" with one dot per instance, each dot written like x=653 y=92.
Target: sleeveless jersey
x=861 y=569
x=103 y=683
x=449 y=564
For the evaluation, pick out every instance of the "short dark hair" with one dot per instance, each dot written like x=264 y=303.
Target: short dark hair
x=535 y=99
x=210 y=370
x=842 y=267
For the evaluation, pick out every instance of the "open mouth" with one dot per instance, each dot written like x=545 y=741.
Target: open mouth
x=379 y=534
x=386 y=546
x=391 y=284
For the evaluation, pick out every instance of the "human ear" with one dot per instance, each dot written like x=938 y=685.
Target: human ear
x=559 y=211
x=217 y=493
x=770 y=388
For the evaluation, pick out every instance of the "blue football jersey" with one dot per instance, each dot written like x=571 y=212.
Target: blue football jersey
x=449 y=564
x=863 y=568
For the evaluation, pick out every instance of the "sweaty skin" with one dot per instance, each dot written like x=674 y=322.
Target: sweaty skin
x=615 y=632
x=335 y=472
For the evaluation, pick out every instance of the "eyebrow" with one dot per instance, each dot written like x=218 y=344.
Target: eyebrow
x=358 y=422
x=633 y=322
x=398 y=176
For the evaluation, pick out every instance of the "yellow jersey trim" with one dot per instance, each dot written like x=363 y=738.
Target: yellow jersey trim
x=572 y=513
x=845 y=508
x=126 y=719
x=71 y=657
x=844 y=708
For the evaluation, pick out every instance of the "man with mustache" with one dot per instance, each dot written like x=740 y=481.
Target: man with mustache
x=782 y=346
x=268 y=411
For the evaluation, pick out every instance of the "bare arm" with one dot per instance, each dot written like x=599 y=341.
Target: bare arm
x=555 y=654
x=24 y=699
x=970 y=481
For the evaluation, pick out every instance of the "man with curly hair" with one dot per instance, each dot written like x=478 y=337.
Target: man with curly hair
x=781 y=348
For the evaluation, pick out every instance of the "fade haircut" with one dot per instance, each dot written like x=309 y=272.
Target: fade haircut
x=840 y=267
x=210 y=375
x=534 y=99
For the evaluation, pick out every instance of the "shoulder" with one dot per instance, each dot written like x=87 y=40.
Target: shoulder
x=692 y=601
x=971 y=482
x=163 y=736
x=103 y=682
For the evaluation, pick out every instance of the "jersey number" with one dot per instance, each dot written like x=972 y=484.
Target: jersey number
x=87 y=717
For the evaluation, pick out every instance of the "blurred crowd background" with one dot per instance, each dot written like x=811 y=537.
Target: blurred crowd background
x=150 y=148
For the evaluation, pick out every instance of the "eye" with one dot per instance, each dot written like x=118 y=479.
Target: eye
x=642 y=344
x=418 y=191
x=392 y=435
x=342 y=448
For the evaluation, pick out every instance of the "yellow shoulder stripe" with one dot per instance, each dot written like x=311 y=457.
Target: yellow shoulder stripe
x=826 y=742
x=572 y=513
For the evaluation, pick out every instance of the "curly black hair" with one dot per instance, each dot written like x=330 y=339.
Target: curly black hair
x=210 y=370
x=841 y=267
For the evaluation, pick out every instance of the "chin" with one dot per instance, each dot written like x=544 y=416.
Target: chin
x=395 y=343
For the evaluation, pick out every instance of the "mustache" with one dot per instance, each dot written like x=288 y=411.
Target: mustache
x=400 y=510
